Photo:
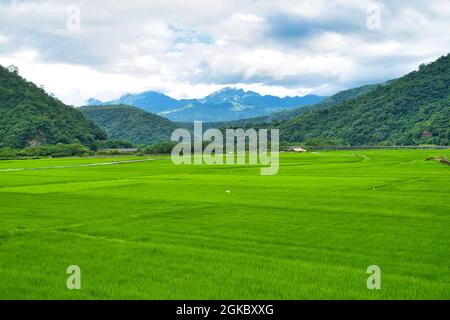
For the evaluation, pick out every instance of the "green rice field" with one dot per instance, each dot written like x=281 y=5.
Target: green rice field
x=155 y=230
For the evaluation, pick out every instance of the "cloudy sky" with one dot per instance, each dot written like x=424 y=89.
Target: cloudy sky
x=187 y=49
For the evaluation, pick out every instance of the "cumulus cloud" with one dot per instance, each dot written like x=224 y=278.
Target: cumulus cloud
x=104 y=49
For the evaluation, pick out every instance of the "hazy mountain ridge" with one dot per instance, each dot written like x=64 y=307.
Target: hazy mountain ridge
x=279 y=117
x=226 y=104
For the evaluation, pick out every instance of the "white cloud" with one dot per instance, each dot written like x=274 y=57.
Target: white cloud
x=188 y=49
x=3 y=39
x=247 y=17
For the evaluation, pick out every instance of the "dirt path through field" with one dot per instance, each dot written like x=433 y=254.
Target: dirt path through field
x=81 y=165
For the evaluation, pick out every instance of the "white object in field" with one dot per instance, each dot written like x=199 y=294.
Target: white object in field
x=228 y=191
x=299 y=150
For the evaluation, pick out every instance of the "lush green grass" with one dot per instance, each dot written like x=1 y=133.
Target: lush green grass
x=154 y=230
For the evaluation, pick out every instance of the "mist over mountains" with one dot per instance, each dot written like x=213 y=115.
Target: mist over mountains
x=226 y=104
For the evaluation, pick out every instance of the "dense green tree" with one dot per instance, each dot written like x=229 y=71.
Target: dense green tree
x=130 y=124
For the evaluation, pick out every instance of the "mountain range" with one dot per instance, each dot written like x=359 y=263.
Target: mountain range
x=226 y=104
x=411 y=110
x=279 y=117
x=129 y=123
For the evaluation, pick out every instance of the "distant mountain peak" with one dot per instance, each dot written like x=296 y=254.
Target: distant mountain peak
x=93 y=102
x=231 y=90
x=147 y=93
x=226 y=94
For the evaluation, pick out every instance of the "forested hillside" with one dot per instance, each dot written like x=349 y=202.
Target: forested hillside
x=30 y=117
x=414 y=109
x=129 y=123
